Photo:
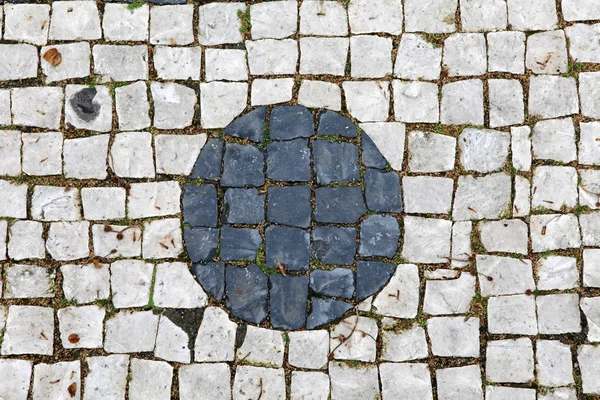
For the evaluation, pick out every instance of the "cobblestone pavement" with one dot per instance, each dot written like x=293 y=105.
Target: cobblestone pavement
x=312 y=200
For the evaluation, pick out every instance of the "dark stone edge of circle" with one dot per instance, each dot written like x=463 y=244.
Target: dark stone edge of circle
x=230 y=259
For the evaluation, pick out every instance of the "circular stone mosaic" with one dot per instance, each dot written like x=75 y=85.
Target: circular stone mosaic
x=291 y=222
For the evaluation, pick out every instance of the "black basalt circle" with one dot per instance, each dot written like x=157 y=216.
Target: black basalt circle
x=293 y=217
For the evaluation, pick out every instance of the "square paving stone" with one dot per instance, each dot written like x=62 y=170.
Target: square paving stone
x=383 y=191
x=243 y=165
x=343 y=205
x=379 y=236
x=246 y=293
x=332 y=123
x=200 y=205
x=290 y=122
x=289 y=205
x=335 y=162
x=244 y=206
x=287 y=246
x=289 y=161
x=289 y=297
x=208 y=164
x=338 y=282
x=201 y=243
x=333 y=245
x=239 y=243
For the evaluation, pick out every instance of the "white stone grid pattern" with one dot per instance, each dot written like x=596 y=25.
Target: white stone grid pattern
x=486 y=108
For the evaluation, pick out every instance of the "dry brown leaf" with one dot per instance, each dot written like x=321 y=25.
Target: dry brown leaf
x=72 y=389
x=73 y=338
x=53 y=57
x=281 y=268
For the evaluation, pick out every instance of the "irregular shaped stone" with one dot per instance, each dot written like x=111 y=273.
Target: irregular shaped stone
x=177 y=62
x=485 y=197
x=212 y=380
x=271 y=91
x=483 y=150
x=583 y=42
x=430 y=152
x=512 y=315
x=287 y=246
x=326 y=19
x=434 y=16
x=132 y=106
x=383 y=191
x=401 y=381
x=174 y=105
x=28 y=281
x=150 y=379
x=221 y=102
x=332 y=123
x=249 y=126
x=289 y=122
x=175 y=287
x=162 y=239
x=554 y=188
x=24 y=328
x=25 y=240
x=427 y=194
x=416 y=101
x=504 y=275
x=464 y=54
x=15 y=200
x=417 y=58
x=557 y=272
x=242 y=166
x=289 y=161
x=554 y=366
x=400 y=297
x=338 y=282
x=323 y=311
x=308 y=349
x=547 y=53
x=219 y=23
x=510 y=361
x=243 y=206
x=371 y=276
x=339 y=205
x=389 y=137
x=131 y=155
x=216 y=337
x=555 y=140
x=104 y=203
x=113 y=241
x=503 y=392
x=335 y=162
x=107 y=377
x=452 y=296
x=553 y=232
x=21 y=23
x=239 y=243
x=334 y=245
x=85 y=283
x=57 y=380
x=200 y=205
x=247 y=383
x=462 y=103
x=130 y=282
x=375 y=16
x=552 y=96
x=246 y=291
x=21 y=61
x=41 y=154
x=289 y=205
x=289 y=298
x=120 y=336
x=354 y=347
x=367 y=101
x=454 y=336
x=171 y=342
x=510 y=236
x=370 y=155
x=263 y=346
x=587 y=357
x=121 y=23
x=208 y=164
x=176 y=154
x=68 y=240
x=85 y=323
x=408 y=345
x=379 y=236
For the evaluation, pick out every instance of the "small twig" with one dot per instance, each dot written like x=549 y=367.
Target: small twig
x=260 y=385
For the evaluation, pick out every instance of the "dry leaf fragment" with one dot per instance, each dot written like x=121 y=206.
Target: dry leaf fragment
x=543 y=230
x=53 y=57
x=73 y=338
x=281 y=268
x=96 y=264
x=72 y=389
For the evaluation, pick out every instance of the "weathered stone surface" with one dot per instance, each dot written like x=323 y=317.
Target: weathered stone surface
x=288 y=297
x=426 y=240
x=38 y=106
x=68 y=240
x=219 y=23
x=554 y=140
x=510 y=361
x=85 y=283
x=221 y=102
x=261 y=345
x=308 y=349
x=150 y=379
x=24 y=328
x=162 y=239
x=334 y=245
x=587 y=356
x=370 y=56
x=510 y=236
x=249 y=126
x=289 y=205
x=131 y=155
x=483 y=15
x=172 y=342
x=289 y=161
x=433 y=16
x=176 y=154
x=212 y=380
x=485 y=197
x=454 y=336
x=403 y=380
x=287 y=246
x=427 y=194
x=323 y=56
x=379 y=236
x=310 y=385
x=554 y=366
x=57 y=380
x=400 y=297
x=430 y=152
x=464 y=54
x=382 y=191
x=417 y=58
x=460 y=383
x=323 y=311
x=339 y=205
x=131 y=332
x=416 y=101
x=239 y=243
x=28 y=281
x=248 y=380
x=130 y=282
x=367 y=101
x=512 y=315
x=246 y=290
x=216 y=337
x=200 y=205
x=243 y=206
x=452 y=296
x=120 y=22
x=75 y=21
x=175 y=287
x=462 y=103
x=132 y=106
x=560 y=231
x=554 y=188
x=355 y=347
x=85 y=323
x=506 y=102
x=338 y=282
x=552 y=96
x=242 y=166
x=107 y=377
x=408 y=345
x=558 y=313
x=353 y=383
x=508 y=275
x=371 y=276
x=389 y=138
x=208 y=163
